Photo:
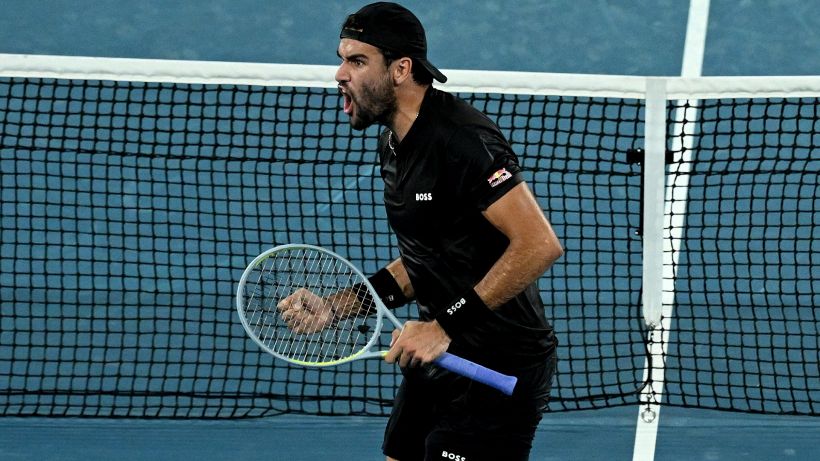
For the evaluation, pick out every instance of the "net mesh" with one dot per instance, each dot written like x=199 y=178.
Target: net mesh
x=745 y=334
x=130 y=209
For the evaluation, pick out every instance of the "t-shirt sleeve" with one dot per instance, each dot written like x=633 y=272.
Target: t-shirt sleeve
x=485 y=166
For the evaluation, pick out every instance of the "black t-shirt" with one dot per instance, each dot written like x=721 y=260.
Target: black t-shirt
x=452 y=165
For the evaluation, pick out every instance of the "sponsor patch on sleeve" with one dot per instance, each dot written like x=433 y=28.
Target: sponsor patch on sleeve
x=499 y=177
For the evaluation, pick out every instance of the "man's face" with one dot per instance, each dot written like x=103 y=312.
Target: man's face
x=365 y=84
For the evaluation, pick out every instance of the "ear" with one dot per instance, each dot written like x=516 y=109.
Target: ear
x=402 y=70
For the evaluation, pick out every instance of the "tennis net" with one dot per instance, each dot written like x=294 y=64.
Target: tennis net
x=135 y=192
x=746 y=288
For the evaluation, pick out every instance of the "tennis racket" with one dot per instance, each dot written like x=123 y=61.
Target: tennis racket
x=306 y=305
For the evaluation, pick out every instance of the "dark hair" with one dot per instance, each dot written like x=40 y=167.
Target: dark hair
x=419 y=73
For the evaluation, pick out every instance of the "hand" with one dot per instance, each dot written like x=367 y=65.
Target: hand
x=419 y=343
x=305 y=312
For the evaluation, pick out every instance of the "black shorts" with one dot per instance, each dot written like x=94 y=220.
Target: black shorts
x=438 y=415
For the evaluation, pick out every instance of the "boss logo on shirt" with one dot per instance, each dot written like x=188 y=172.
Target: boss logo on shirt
x=424 y=196
x=447 y=455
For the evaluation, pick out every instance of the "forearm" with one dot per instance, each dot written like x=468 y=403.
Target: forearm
x=533 y=247
x=348 y=303
x=356 y=300
x=391 y=284
x=399 y=273
x=522 y=263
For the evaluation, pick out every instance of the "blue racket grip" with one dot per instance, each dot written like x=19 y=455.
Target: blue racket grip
x=476 y=372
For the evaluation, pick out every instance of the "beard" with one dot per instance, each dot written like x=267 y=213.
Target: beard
x=376 y=103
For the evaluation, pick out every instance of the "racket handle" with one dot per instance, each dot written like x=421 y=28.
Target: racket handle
x=476 y=372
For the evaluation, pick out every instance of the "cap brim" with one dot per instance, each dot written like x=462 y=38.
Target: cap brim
x=433 y=71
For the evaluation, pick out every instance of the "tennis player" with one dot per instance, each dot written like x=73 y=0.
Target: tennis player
x=472 y=243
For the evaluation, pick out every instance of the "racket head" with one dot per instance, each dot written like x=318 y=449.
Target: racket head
x=278 y=273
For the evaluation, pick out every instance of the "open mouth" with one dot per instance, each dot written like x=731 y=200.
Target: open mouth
x=348 y=101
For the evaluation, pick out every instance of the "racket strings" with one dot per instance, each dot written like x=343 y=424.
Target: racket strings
x=330 y=277
x=350 y=335
x=331 y=287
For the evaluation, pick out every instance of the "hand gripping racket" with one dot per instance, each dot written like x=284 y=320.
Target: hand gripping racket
x=295 y=302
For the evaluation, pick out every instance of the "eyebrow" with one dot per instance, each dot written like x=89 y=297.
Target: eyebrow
x=352 y=56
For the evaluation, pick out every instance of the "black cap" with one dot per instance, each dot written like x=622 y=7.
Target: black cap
x=393 y=28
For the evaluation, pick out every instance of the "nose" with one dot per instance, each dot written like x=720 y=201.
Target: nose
x=342 y=74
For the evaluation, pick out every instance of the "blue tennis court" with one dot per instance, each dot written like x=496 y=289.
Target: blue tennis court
x=588 y=435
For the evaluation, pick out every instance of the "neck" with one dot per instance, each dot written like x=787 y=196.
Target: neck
x=408 y=105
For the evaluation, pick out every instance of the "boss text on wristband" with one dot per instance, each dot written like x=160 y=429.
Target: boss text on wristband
x=463 y=312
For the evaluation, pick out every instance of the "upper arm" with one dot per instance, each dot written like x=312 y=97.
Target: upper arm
x=519 y=217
